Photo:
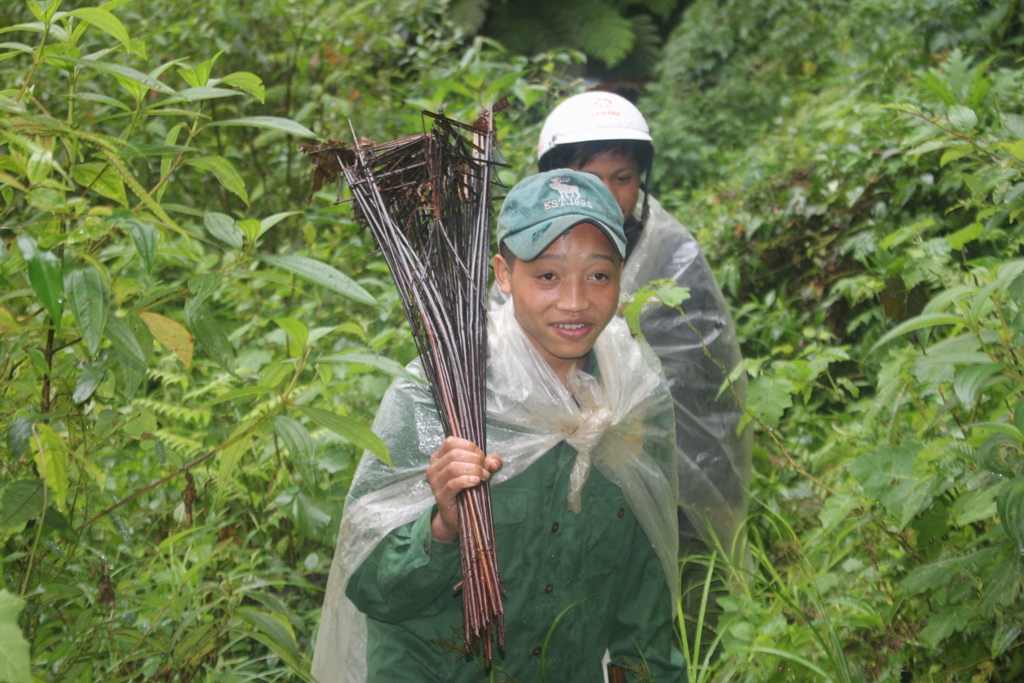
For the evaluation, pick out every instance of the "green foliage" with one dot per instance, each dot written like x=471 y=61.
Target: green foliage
x=617 y=34
x=855 y=173
x=192 y=347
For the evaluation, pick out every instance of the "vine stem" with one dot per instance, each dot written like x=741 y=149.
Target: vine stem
x=35 y=62
x=29 y=566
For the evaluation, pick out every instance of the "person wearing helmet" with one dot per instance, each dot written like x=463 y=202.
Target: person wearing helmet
x=604 y=134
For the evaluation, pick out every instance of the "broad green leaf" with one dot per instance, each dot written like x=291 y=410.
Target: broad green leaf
x=102 y=179
x=963 y=118
x=270 y=122
x=123 y=340
x=210 y=335
x=243 y=80
x=383 y=363
x=295 y=330
x=322 y=274
x=991 y=454
x=173 y=335
x=225 y=173
x=945 y=623
x=250 y=227
x=971 y=379
x=233 y=452
x=106 y=22
x=295 y=436
x=147 y=241
x=1016 y=148
x=931 y=576
x=961 y=237
x=45 y=277
x=1010 y=506
x=276 y=633
x=204 y=93
x=837 y=508
x=88 y=299
x=352 y=431
x=18 y=435
x=141 y=425
x=1006 y=632
x=223 y=227
x=270 y=221
x=976 y=505
x=887 y=476
x=131 y=75
x=21 y=501
x=48 y=453
x=919 y=323
x=768 y=397
x=88 y=381
x=202 y=286
x=15 y=662
x=954 y=153
x=1018 y=416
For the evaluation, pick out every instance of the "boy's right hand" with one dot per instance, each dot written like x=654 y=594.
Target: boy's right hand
x=458 y=464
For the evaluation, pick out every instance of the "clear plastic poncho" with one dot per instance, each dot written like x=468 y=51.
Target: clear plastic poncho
x=610 y=422
x=713 y=460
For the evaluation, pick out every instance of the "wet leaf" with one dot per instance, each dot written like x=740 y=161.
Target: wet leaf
x=322 y=274
x=352 y=431
x=222 y=226
x=21 y=501
x=210 y=334
x=225 y=172
x=44 y=274
x=89 y=300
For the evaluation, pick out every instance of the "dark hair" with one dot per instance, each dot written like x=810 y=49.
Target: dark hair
x=579 y=154
x=506 y=253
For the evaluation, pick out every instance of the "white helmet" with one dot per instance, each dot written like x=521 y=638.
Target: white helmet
x=592 y=116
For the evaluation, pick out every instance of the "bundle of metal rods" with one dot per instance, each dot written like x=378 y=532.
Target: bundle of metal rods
x=426 y=199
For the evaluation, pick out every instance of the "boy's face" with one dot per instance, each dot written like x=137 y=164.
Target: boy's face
x=565 y=297
x=619 y=174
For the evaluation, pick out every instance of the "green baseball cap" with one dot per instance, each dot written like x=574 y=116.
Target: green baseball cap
x=542 y=207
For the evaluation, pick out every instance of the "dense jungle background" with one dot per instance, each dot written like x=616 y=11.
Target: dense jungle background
x=192 y=346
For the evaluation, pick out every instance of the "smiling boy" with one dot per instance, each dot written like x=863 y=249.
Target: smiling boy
x=583 y=495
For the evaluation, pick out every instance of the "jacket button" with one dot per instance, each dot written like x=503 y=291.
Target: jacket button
x=536 y=652
x=426 y=547
x=554 y=527
x=548 y=588
x=622 y=512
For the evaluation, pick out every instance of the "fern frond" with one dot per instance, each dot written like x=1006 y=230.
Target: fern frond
x=180 y=444
x=662 y=8
x=167 y=378
x=174 y=411
x=647 y=45
x=261 y=409
x=606 y=34
x=217 y=386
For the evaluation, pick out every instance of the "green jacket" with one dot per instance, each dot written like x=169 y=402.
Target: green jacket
x=597 y=567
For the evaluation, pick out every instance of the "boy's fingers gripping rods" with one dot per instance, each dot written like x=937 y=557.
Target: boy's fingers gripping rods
x=458 y=464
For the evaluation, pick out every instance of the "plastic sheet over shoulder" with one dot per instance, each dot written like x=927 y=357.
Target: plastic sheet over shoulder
x=713 y=460
x=621 y=423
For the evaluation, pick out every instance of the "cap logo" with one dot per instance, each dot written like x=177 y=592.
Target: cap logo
x=567 y=194
x=565 y=191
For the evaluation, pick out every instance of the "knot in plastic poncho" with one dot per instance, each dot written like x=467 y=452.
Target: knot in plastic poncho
x=616 y=423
